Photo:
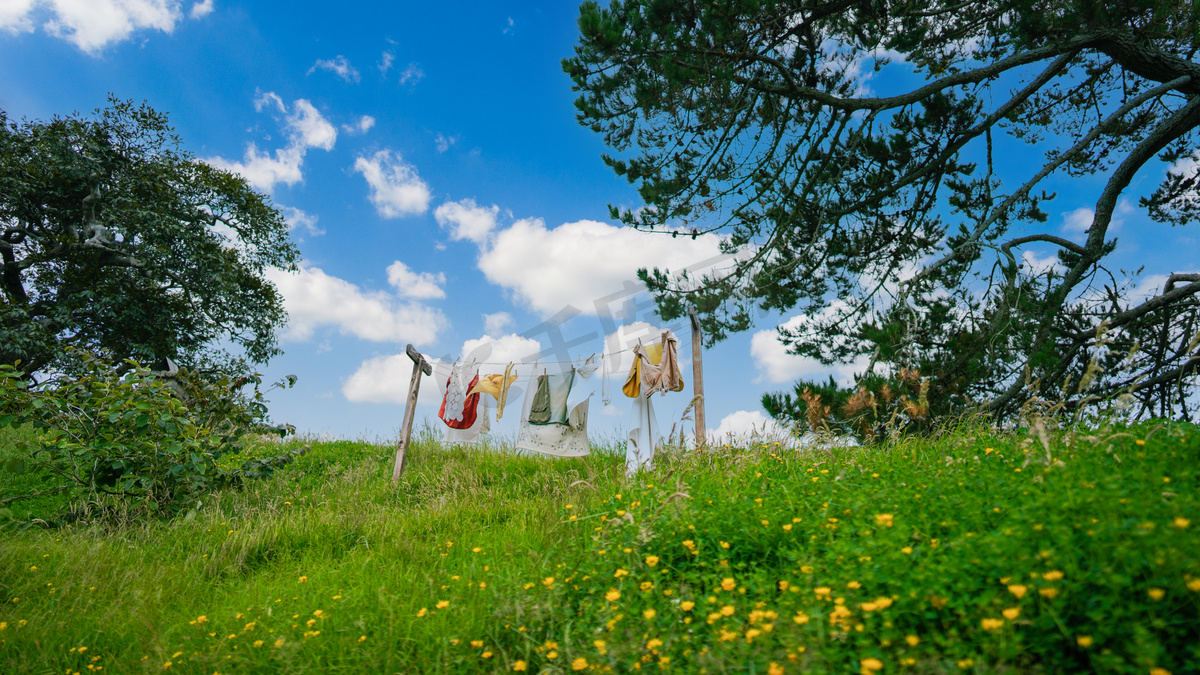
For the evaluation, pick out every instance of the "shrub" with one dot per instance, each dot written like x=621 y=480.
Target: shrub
x=135 y=435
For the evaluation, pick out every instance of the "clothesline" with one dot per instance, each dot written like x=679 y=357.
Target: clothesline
x=542 y=362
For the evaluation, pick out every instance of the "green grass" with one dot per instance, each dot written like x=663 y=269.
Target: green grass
x=750 y=560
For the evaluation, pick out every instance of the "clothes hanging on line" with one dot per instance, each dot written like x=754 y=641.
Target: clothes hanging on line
x=565 y=438
x=502 y=396
x=468 y=409
x=550 y=398
x=643 y=438
x=472 y=433
x=655 y=368
x=455 y=397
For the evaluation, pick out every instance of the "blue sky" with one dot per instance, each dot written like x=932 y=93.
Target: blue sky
x=439 y=187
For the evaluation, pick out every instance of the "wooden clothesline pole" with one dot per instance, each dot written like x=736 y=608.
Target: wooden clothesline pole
x=420 y=365
x=698 y=379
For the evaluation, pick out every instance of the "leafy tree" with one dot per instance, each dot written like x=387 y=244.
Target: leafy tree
x=852 y=154
x=117 y=242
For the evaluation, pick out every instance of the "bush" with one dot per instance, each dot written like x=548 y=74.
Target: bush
x=137 y=435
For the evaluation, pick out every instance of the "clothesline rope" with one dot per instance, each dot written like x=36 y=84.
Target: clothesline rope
x=539 y=362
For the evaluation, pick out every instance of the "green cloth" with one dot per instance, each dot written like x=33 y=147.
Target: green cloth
x=539 y=412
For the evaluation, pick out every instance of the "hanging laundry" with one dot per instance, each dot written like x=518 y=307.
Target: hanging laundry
x=643 y=438
x=502 y=397
x=663 y=375
x=550 y=398
x=467 y=413
x=567 y=438
x=472 y=433
x=539 y=410
x=456 y=395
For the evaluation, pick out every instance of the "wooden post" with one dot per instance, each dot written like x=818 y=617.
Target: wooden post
x=698 y=379
x=419 y=365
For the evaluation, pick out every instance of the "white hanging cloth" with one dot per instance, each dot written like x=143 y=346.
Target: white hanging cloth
x=560 y=440
x=639 y=450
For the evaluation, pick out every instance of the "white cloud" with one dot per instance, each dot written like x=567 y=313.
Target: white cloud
x=202 y=9
x=503 y=349
x=495 y=324
x=269 y=99
x=1078 y=222
x=775 y=364
x=385 y=379
x=396 y=189
x=91 y=25
x=747 y=424
x=306 y=128
x=339 y=66
x=362 y=126
x=508 y=28
x=313 y=299
x=14 y=16
x=419 y=286
x=385 y=63
x=412 y=74
x=443 y=143
x=1041 y=264
x=309 y=128
x=581 y=263
x=467 y=220
x=296 y=218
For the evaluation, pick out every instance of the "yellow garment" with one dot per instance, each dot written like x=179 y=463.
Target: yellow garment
x=655 y=374
x=502 y=397
x=492 y=384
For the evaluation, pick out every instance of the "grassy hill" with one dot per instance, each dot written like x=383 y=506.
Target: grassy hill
x=974 y=553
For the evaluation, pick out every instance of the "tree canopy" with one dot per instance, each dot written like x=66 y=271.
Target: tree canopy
x=884 y=168
x=116 y=241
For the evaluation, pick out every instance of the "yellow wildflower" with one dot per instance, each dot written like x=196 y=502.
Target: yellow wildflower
x=728 y=584
x=652 y=560
x=727 y=610
x=303 y=580
x=912 y=640
x=649 y=614
x=991 y=624
x=1156 y=594
x=883 y=519
x=1084 y=641
x=579 y=664
x=1017 y=590
x=687 y=605
x=520 y=666
x=620 y=573
x=870 y=665
x=612 y=595
x=1050 y=593
x=1053 y=575
x=442 y=604
x=422 y=612
x=1011 y=613
x=654 y=643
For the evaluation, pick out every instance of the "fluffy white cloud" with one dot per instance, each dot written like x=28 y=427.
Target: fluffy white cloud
x=1079 y=221
x=305 y=127
x=296 y=218
x=14 y=16
x=467 y=220
x=396 y=189
x=385 y=379
x=412 y=74
x=91 y=25
x=419 y=286
x=202 y=9
x=1040 y=264
x=775 y=364
x=511 y=347
x=747 y=424
x=309 y=128
x=582 y=263
x=339 y=66
x=362 y=126
x=495 y=324
x=313 y=299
